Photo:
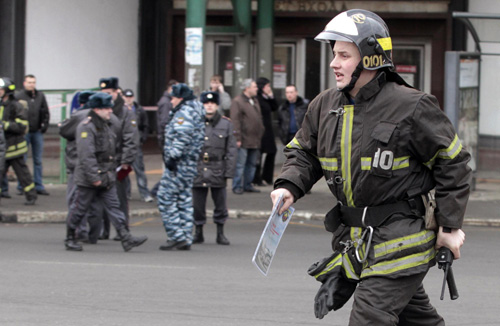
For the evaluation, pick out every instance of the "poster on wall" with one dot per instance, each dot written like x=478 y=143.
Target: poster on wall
x=194 y=46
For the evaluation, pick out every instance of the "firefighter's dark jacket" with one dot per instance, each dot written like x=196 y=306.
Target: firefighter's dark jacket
x=67 y=130
x=96 y=147
x=38 y=110
x=14 y=117
x=393 y=143
x=218 y=157
x=130 y=139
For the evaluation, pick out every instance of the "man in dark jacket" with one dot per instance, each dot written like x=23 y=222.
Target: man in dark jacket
x=95 y=174
x=248 y=130
x=291 y=114
x=14 y=117
x=215 y=165
x=143 y=126
x=38 y=117
x=129 y=145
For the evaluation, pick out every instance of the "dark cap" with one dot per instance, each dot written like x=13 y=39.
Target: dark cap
x=261 y=82
x=100 y=100
x=206 y=97
x=128 y=92
x=84 y=96
x=110 y=82
x=183 y=91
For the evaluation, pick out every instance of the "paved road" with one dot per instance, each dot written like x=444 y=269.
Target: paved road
x=42 y=284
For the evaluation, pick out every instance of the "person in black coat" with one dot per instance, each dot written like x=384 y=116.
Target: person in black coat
x=265 y=173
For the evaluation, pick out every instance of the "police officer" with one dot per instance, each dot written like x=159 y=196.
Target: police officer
x=15 y=122
x=95 y=173
x=184 y=136
x=381 y=146
x=216 y=164
x=129 y=143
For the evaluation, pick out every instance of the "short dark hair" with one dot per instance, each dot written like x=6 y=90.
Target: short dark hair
x=292 y=85
x=29 y=76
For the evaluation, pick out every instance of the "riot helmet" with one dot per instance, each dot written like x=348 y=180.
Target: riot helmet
x=370 y=35
x=7 y=85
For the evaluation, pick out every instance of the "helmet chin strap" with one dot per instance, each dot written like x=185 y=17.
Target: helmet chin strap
x=354 y=78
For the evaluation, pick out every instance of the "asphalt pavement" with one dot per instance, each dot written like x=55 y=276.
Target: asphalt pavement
x=483 y=208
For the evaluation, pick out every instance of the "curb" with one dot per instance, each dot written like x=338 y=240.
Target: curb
x=60 y=217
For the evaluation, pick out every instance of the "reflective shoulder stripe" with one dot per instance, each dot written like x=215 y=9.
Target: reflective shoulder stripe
x=329 y=163
x=294 y=144
x=401 y=162
x=366 y=163
x=396 y=265
x=29 y=187
x=448 y=153
x=403 y=243
x=17 y=152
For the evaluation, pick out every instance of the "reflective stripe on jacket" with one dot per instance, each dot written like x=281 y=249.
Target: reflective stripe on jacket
x=15 y=122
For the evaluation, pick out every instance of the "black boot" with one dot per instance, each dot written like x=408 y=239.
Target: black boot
x=221 y=238
x=129 y=241
x=70 y=241
x=198 y=234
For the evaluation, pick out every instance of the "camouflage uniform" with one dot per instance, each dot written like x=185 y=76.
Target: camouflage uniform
x=184 y=136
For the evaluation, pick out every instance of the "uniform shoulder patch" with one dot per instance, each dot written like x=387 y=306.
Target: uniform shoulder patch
x=180 y=120
x=84 y=134
x=134 y=123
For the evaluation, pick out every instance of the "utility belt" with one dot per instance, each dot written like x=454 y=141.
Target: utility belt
x=211 y=158
x=372 y=216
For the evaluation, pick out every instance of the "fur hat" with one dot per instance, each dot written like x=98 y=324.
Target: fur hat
x=100 y=100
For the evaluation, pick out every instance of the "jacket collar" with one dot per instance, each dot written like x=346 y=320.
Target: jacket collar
x=97 y=120
x=214 y=120
x=372 y=88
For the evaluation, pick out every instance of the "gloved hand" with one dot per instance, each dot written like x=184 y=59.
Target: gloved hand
x=171 y=164
x=335 y=289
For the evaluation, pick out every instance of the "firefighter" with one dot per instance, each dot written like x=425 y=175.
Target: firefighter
x=14 y=117
x=382 y=146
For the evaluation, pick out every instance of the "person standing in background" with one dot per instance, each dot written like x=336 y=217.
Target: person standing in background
x=217 y=86
x=143 y=126
x=291 y=114
x=268 y=105
x=38 y=118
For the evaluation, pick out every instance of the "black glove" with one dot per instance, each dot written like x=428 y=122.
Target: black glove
x=171 y=164
x=335 y=289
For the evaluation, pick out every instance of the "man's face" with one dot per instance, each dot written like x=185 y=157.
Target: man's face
x=210 y=108
x=252 y=90
x=345 y=59
x=111 y=91
x=129 y=99
x=291 y=94
x=175 y=101
x=29 y=84
x=104 y=113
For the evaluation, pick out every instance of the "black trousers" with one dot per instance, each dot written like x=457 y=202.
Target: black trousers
x=199 y=205
x=83 y=200
x=382 y=301
x=265 y=172
x=23 y=176
x=121 y=190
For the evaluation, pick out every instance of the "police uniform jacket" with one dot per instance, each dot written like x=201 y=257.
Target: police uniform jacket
x=394 y=142
x=217 y=159
x=284 y=117
x=184 y=137
x=15 y=122
x=67 y=130
x=129 y=141
x=96 y=146
x=247 y=121
x=38 y=110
